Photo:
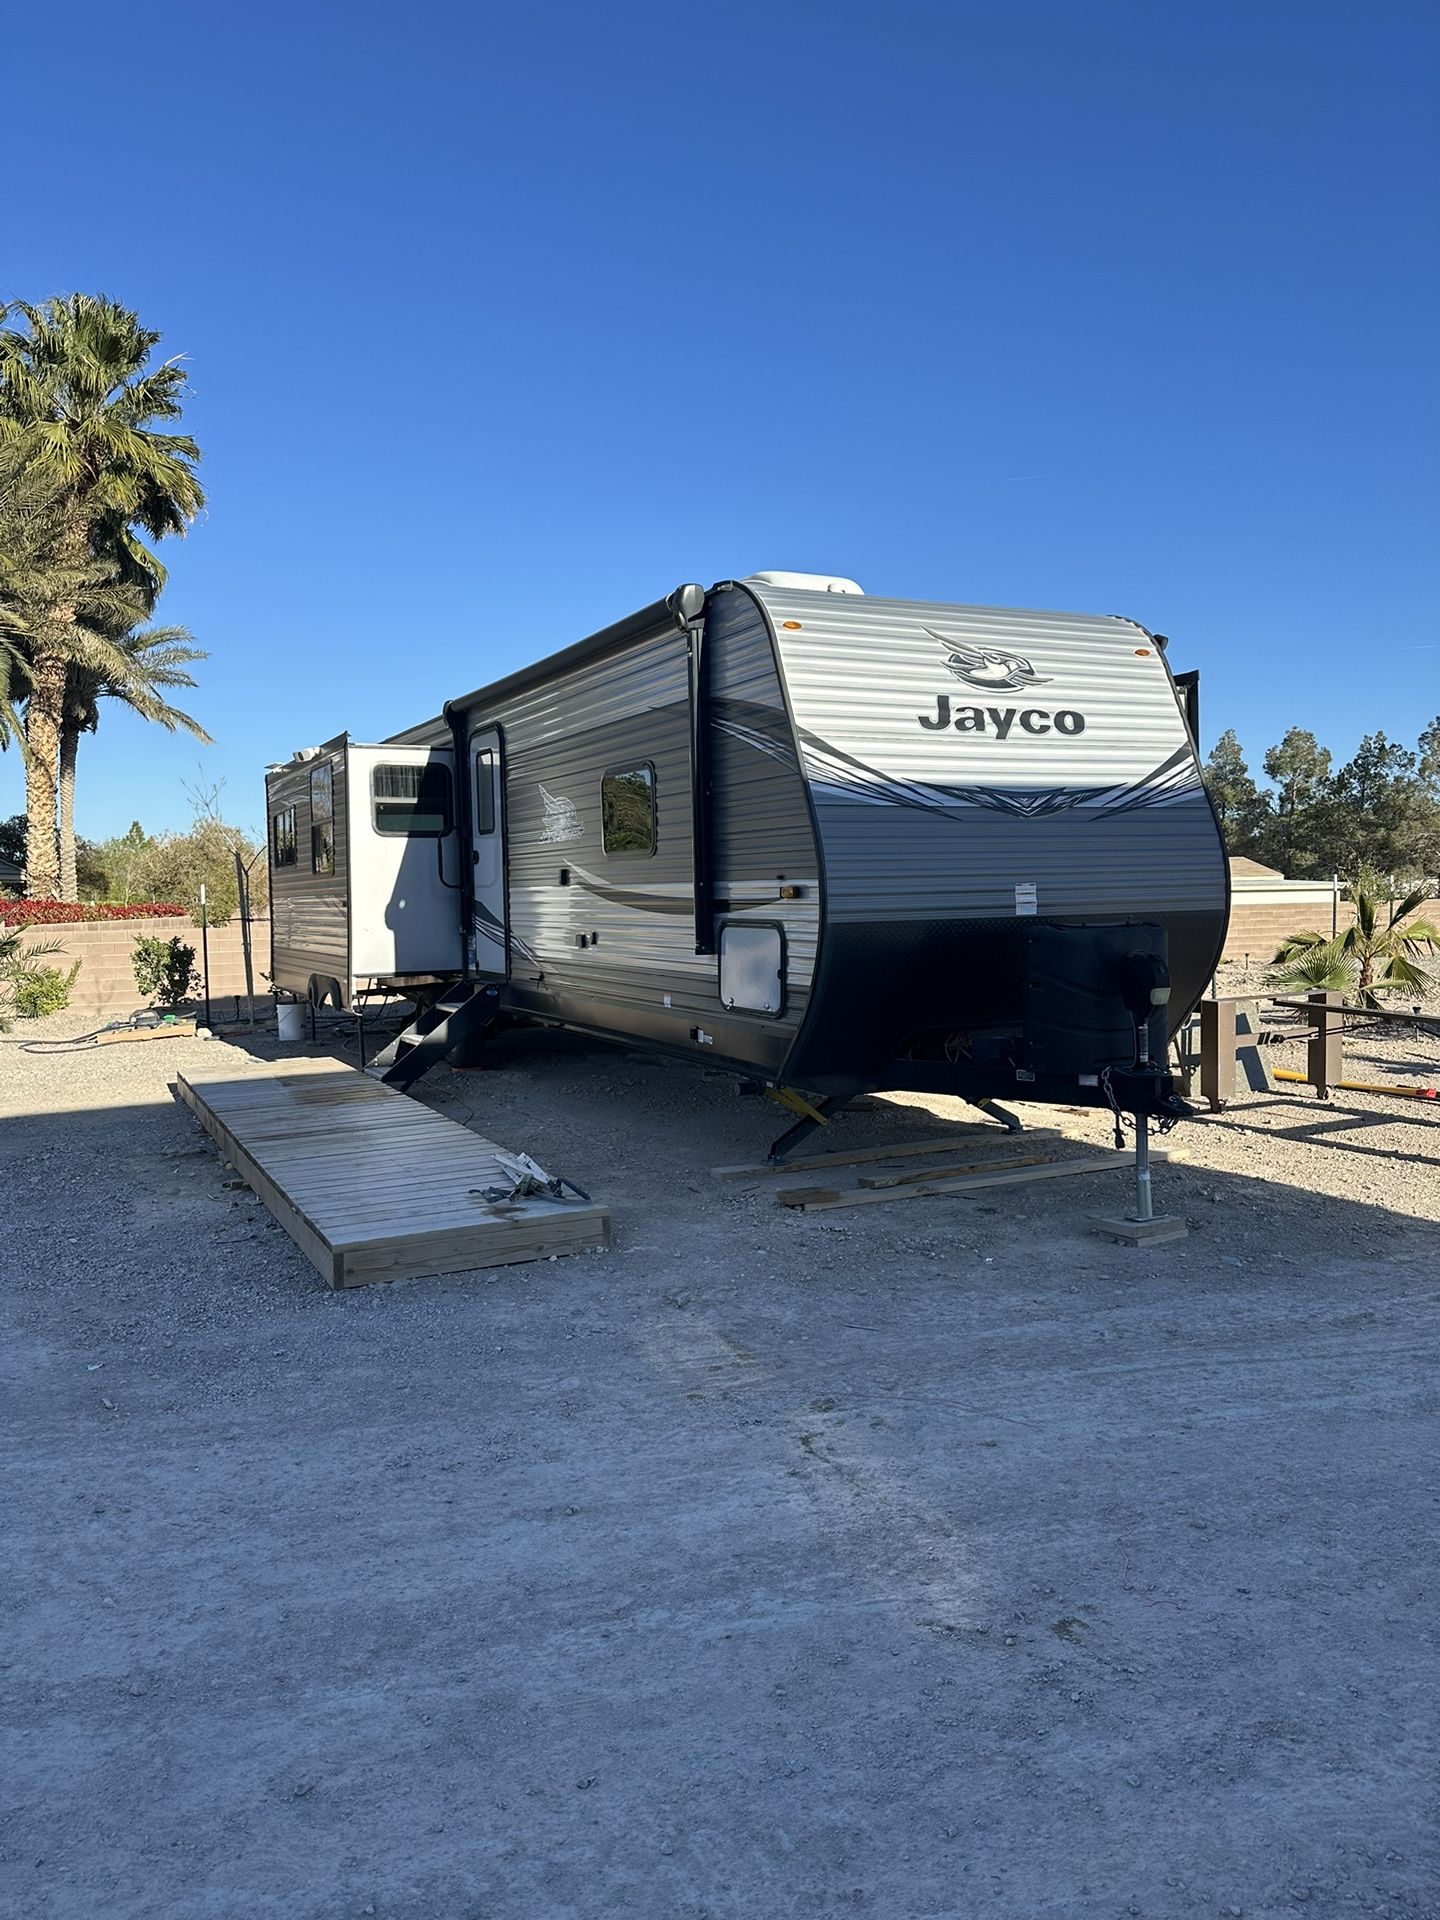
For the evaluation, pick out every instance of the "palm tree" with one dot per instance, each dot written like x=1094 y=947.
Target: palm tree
x=154 y=662
x=79 y=400
x=24 y=505
x=33 y=577
x=1369 y=958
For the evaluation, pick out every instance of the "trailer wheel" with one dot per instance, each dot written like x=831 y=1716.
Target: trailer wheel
x=325 y=992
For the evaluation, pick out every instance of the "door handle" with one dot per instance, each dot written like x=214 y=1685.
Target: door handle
x=474 y=859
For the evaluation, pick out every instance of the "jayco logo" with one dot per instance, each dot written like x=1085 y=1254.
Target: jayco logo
x=995 y=672
x=988 y=668
x=1001 y=719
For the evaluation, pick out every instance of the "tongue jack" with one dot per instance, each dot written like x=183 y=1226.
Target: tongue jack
x=1144 y=983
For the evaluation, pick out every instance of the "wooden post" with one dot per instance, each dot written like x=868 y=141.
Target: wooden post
x=1217 y=1053
x=1323 y=1063
x=1230 y=1039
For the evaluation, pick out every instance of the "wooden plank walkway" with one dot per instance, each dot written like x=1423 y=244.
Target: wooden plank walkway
x=369 y=1183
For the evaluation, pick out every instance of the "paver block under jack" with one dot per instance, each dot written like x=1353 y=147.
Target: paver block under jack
x=1141 y=1233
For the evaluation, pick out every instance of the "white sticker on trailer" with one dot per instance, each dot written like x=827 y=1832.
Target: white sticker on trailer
x=1025 y=901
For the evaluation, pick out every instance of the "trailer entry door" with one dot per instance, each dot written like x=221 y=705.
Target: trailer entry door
x=489 y=956
x=402 y=853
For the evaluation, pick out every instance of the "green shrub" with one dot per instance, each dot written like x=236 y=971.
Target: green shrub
x=18 y=971
x=36 y=991
x=165 y=970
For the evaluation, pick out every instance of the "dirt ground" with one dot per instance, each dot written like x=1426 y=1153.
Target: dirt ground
x=936 y=1561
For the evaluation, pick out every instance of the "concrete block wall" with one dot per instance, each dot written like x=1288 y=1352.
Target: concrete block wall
x=1257 y=928
x=105 y=986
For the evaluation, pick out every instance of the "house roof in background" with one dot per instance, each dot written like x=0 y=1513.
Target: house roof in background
x=1241 y=863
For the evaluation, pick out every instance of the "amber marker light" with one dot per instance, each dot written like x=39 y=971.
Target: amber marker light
x=1142 y=653
x=791 y=626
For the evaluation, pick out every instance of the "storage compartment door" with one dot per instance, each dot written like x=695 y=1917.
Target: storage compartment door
x=752 y=968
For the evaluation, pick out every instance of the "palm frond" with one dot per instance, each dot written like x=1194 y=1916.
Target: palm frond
x=1402 y=909
x=1401 y=971
x=1324 y=967
x=144 y=664
x=1420 y=936
x=1296 y=943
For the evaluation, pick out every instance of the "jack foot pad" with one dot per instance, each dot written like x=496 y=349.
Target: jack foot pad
x=1141 y=1233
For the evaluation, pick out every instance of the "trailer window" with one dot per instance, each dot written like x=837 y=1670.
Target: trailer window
x=412 y=800
x=282 y=838
x=322 y=818
x=485 y=790
x=627 y=810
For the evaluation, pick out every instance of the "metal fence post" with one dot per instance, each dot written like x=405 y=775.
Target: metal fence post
x=1324 y=1064
x=205 y=949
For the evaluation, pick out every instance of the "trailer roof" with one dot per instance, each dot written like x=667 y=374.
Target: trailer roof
x=673 y=611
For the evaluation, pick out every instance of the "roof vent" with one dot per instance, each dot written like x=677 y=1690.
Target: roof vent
x=808 y=582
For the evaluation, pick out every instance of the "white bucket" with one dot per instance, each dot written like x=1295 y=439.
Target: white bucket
x=290 y=1020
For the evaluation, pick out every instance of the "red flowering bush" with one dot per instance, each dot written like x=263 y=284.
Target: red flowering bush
x=55 y=913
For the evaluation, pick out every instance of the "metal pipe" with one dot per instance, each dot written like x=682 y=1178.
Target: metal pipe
x=1359 y=1086
x=1144 y=1206
x=205 y=949
x=242 y=883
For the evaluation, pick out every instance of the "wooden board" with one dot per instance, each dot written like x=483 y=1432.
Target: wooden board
x=897 y=1150
x=370 y=1184
x=165 y=1030
x=816 y=1199
x=952 y=1169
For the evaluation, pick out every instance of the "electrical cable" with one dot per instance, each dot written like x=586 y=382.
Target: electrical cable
x=78 y=1043
x=82 y=1042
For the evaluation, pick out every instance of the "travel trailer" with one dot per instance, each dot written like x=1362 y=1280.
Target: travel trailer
x=829 y=841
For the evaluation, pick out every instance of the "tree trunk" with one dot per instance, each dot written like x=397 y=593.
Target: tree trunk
x=44 y=712
x=69 y=747
x=44 y=717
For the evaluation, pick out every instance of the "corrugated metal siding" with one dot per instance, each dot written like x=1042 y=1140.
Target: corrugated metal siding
x=861 y=672
x=934 y=823
x=308 y=911
x=621 y=710
x=761 y=823
x=904 y=864
x=559 y=740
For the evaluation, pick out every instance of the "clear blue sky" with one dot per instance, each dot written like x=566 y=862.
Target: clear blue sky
x=503 y=321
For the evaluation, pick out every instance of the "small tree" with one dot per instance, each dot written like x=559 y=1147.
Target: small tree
x=122 y=862
x=165 y=971
x=1377 y=955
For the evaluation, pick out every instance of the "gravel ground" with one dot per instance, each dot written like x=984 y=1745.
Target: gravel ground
x=935 y=1560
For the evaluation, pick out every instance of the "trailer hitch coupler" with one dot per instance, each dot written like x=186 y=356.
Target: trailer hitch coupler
x=1144 y=982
